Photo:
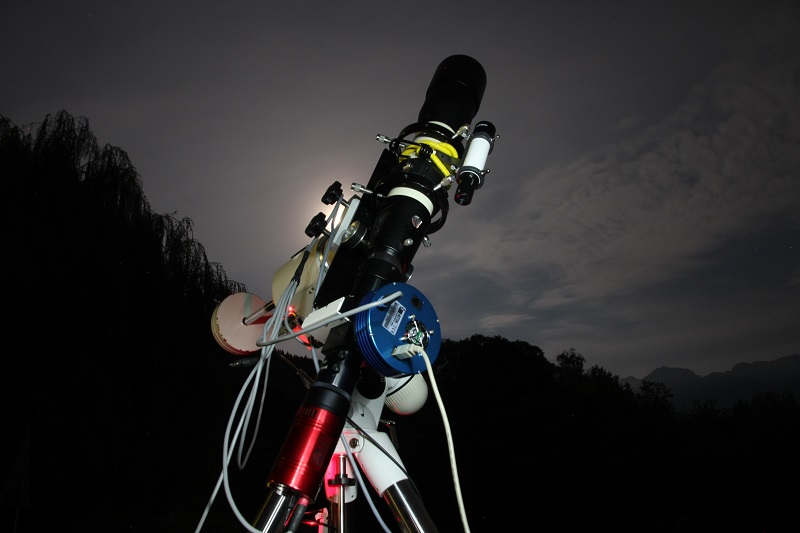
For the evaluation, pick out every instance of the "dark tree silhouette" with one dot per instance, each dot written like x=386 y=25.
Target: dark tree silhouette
x=108 y=316
x=570 y=364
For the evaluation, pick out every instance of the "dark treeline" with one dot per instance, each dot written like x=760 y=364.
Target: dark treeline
x=115 y=381
x=110 y=364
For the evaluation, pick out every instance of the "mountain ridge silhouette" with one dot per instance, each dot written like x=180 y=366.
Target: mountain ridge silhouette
x=724 y=389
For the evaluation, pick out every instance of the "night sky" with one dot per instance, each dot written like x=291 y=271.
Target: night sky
x=642 y=204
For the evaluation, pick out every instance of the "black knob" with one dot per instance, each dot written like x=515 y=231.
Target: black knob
x=332 y=194
x=316 y=226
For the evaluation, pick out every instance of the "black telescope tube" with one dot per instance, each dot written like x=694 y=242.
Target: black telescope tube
x=453 y=98
x=455 y=92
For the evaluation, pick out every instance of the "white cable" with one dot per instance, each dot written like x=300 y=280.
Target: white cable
x=272 y=326
x=271 y=331
x=265 y=359
x=227 y=457
x=449 y=435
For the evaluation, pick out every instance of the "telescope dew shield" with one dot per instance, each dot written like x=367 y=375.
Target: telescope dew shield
x=455 y=92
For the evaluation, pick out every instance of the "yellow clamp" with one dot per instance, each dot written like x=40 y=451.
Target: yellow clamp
x=444 y=148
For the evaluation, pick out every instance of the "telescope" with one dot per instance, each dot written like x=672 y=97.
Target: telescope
x=347 y=296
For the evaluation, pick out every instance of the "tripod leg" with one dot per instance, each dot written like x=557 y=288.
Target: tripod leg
x=408 y=509
x=390 y=481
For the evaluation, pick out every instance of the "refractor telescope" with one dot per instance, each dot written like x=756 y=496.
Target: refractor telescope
x=347 y=295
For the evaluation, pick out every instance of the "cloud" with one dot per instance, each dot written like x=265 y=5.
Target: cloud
x=640 y=211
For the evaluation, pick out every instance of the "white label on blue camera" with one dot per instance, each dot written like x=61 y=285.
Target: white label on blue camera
x=393 y=317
